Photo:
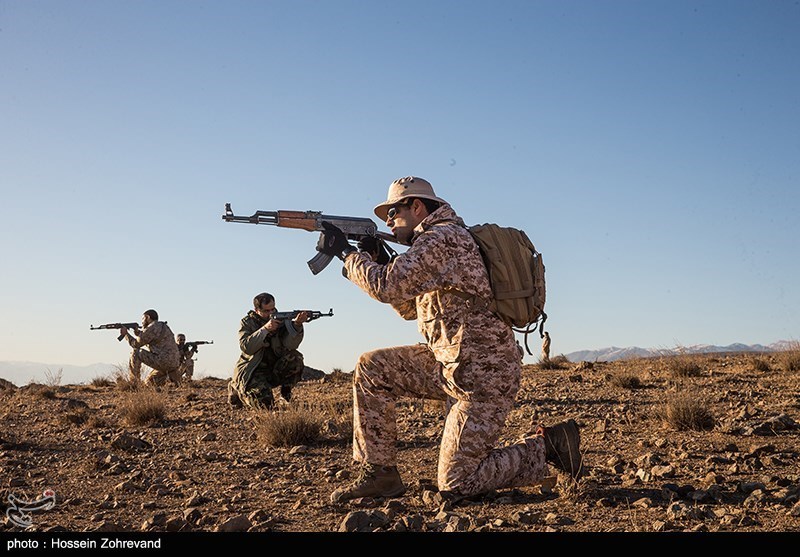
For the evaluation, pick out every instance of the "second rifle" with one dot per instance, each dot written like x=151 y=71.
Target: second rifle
x=195 y=343
x=134 y=326
x=312 y=314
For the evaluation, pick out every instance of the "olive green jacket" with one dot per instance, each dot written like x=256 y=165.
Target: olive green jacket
x=257 y=345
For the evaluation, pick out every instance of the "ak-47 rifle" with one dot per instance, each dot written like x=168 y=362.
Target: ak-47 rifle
x=280 y=315
x=134 y=326
x=195 y=343
x=354 y=228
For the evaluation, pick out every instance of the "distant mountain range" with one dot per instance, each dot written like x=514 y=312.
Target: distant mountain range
x=615 y=353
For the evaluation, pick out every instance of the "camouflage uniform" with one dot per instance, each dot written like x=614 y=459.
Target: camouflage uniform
x=161 y=354
x=267 y=360
x=186 y=369
x=546 y=347
x=470 y=360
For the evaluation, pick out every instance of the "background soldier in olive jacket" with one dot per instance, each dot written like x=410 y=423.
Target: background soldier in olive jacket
x=269 y=355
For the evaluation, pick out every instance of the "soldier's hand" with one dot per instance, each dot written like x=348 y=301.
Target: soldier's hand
x=123 y=331
x=332 y=241
x=375 y=249
x=301 y=318
x=273 y=325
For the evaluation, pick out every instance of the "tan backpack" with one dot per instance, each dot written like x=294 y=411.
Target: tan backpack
x=516 y=273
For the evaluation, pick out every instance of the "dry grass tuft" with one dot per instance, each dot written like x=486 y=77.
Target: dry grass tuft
x=51 y=378
x=123 y=380
x=760 y=364
x=144 y=406
x=684 y=365
x=684 y=412
x=338 y=376
x=289 y=426
x=101 y=381
x=790 y=360
x=625 y=380
x=570 y=489
x=559 y=362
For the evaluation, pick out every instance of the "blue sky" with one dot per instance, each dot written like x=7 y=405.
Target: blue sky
x=650 y=149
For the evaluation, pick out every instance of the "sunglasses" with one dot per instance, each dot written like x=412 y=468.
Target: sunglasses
x=392 y=212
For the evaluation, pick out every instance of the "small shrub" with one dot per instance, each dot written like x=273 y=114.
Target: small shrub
x=128 y=384
x=790 y=360
x=289 y=426
x=559 y=362
x=124 y=381
x=143 y=407
x=684 y=365
x=760 y=365
x=685 y=412
x=338 y=376
x=53 y=379
x=625 y=380
x=101 y=381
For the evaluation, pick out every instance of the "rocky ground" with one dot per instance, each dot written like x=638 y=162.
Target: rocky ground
x=711 y=446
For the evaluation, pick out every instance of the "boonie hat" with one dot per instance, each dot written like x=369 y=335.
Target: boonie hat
x=403 y=188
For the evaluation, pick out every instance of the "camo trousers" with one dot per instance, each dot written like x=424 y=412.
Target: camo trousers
x=163 y=369
x=286 y=372
x=186 y=370
x=469 y=463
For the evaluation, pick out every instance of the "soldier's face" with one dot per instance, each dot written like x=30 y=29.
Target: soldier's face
x=404 y=218
x=146 y=320
x=181 y=339
x=266 y=310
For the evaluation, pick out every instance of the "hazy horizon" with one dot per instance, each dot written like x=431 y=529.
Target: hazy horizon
x=45 y=373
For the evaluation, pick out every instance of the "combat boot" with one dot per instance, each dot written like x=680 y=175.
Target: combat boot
x=373 y=481
x=286 y=392
x=562 y=447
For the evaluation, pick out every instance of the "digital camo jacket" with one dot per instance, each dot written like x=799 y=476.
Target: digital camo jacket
x=442 y=282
